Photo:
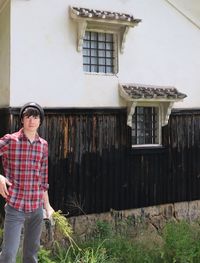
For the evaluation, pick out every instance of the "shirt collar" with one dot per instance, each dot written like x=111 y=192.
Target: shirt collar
x=23 y=136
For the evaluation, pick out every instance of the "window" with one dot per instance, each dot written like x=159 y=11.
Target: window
x=98 y=52
x=148 y=110
x=145 y=125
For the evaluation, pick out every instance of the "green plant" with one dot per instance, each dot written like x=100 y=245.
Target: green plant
x=86 y=255
x=122 y=249
x=103 y=229
x=90 y=255
x=44 y=256
x=181 y=242
x=63 y=227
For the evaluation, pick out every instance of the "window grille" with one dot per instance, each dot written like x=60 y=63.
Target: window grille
x=145 y=125
x=98 y=52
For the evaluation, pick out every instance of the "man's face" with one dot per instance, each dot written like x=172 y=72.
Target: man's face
x=31 y=123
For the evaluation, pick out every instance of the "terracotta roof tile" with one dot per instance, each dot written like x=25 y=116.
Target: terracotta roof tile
x=100 y=14
x=149 y=92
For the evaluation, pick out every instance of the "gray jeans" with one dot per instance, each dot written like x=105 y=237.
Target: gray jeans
x=13 y=224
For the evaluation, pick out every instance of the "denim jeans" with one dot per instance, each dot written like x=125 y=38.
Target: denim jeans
x=14 y=222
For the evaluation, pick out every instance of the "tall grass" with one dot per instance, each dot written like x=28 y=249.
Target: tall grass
x=177 y=242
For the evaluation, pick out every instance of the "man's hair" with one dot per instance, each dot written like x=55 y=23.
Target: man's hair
x=34 y=110
x=31 y=111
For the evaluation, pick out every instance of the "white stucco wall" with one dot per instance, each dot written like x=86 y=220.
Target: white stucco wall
x=45 y=66
x=4 y=53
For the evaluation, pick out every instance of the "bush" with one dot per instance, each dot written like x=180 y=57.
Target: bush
x=181 y=242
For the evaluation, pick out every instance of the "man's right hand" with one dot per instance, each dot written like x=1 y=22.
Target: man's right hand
x=4 y=182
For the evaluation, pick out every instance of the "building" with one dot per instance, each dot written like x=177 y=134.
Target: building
x=119 y=83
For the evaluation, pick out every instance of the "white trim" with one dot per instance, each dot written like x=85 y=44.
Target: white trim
x=146 y=145
x=80 y=34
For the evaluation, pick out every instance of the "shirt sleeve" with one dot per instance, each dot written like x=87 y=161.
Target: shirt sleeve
x=44 y=168
x=4 y=142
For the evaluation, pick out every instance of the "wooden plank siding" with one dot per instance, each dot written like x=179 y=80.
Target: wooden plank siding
x=93 y=168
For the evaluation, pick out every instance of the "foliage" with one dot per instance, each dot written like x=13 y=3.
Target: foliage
x=44 y=256
x=86 y=255
x=103 y=230
x=63 y=227
x=182 y=242
x=178 y=242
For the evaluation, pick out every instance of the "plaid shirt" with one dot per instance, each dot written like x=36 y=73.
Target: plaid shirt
x=26 y=167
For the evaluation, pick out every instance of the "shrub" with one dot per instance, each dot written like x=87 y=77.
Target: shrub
x=181 y=242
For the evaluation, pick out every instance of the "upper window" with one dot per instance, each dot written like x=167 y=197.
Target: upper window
x=145 y=125
x=99 y=52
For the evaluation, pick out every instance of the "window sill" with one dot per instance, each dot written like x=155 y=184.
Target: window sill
x=147 y=146
x=101 y=74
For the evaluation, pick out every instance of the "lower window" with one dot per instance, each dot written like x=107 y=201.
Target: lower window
x=145 y=126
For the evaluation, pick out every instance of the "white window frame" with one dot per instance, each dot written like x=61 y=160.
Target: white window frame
x=158 y=129
x=159 y=107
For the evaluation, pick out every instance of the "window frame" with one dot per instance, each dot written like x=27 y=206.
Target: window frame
x=157 y=105
x=115 y=52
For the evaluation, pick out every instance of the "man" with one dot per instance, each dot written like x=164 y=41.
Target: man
x=24 y=186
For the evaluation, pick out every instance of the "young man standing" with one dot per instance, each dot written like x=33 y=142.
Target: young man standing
x=24 y=186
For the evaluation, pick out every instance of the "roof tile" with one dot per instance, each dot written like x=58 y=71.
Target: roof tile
x=149 y=92
x=100 y=14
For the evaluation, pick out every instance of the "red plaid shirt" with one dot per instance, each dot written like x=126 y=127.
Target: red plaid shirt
x=26 y=167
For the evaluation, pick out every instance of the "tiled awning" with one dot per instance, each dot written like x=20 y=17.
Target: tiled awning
x=105 y=15
x=92 y=19
x=141 y=95
x=144 y=92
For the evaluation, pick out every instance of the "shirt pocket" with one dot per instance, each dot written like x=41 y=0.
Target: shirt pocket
x=36 y=163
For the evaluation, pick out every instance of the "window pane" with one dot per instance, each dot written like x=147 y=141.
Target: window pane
x=101 y=45
x=86 y=44
x=102 y=61
x=102 y=69
x=86 y=68
x=109 y=54
x=102 y=37
x=86 y=52
x=93 y=68
x=94 y=36
x=86 y=60
x=109 y=62
x=109 y=46
x=102 y=53
x=109 y=69
x=93 y=60
x=87 y=35
x=94 y=52
x=109 y=37
x=93 y=44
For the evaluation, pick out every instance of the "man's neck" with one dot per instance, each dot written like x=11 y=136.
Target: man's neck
x=30 y=135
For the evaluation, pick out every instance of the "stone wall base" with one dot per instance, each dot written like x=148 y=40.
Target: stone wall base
x=156 y=216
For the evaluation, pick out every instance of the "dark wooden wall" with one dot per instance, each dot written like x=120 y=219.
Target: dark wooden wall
x=92 y=167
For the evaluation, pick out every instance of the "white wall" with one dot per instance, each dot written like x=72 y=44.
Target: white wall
x=4 y=53
x=45 y=66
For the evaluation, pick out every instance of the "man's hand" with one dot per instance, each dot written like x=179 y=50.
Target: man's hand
x=48 y=208
x=3 y=186
x=49 y=211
